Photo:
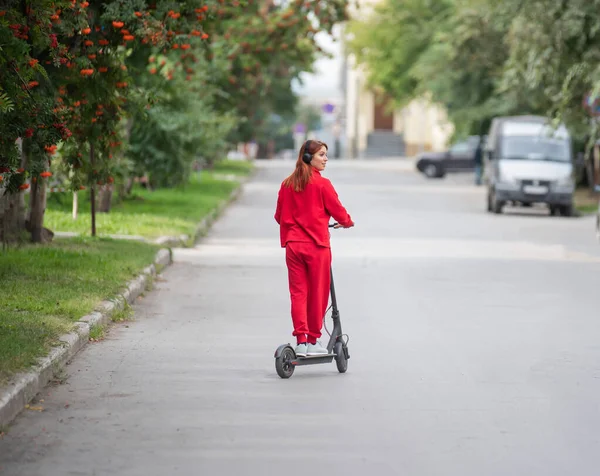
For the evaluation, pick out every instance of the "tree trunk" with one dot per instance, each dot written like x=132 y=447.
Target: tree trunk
x=270 y=149
x=105 y=199
x=129 y=187
x=262 y=151
x=12 y=210
x=125 y=186
x=37 y=207
x=12 y=217
x=121 y=191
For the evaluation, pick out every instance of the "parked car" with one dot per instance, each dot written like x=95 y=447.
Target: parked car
x=526 y=161
x=460 y=157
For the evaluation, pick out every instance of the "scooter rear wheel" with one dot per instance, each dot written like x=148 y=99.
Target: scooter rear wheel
x=340 y=358
x=283 y=363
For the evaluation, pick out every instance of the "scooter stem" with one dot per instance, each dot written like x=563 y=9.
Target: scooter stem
x=335 y=317
x=332 y=290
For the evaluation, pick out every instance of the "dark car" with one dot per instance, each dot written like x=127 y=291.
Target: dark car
x=459 y=158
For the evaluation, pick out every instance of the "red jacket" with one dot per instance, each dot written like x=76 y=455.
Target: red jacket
x=304 y=216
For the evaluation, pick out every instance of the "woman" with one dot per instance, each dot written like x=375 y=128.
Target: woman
x=305 y=204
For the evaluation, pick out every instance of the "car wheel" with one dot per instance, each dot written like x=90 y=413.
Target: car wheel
x=567 y=210
x=495 y=206
x=431 y=170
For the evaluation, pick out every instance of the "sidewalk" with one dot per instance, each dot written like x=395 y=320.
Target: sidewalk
x=22 y=388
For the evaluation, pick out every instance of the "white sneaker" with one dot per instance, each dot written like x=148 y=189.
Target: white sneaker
x=301 y=350
x=316 y=349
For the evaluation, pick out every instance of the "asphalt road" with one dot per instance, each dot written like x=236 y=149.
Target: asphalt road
x=474 y=342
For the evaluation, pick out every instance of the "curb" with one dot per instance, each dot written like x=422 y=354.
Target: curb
x=23 y=387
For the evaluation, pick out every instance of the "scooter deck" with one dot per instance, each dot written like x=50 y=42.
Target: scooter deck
x=313 y=359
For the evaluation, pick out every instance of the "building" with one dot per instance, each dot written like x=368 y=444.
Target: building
x=372 y=130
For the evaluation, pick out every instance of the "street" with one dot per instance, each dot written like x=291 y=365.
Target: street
x=473 y=341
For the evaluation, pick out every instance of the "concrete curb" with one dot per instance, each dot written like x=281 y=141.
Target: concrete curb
x=23 y=387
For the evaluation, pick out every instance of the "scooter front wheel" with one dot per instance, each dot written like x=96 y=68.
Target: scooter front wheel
x=283 y=363
x=340 y=358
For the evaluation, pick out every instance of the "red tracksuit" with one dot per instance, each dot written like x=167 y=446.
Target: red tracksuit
x=303 y=218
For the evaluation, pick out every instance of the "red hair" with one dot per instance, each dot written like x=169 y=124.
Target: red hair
x=300 y=177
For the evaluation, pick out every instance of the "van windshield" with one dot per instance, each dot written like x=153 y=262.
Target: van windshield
x=536 y=148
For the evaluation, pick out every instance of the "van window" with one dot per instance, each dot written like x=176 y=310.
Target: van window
x=535 y=148
x=533 y=129
x=526 y=140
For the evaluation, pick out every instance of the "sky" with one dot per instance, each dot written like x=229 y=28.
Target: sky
x=324 y=84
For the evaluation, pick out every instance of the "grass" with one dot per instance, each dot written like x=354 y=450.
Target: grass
x=163 y=212
x=585 y=201
x=47 y=288
x=122 y=315
x=233 y=167
x=97 y=333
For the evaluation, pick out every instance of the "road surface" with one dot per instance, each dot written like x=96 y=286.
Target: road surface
x=474 y=343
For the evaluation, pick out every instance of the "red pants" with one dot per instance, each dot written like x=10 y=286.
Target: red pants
x=309 y=268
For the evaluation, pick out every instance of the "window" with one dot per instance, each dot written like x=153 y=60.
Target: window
x=461 y=148
x=536 y=148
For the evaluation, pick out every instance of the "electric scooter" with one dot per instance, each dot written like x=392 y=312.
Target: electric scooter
x=286 y=359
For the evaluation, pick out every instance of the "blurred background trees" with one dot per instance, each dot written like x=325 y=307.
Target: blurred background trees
x=95 y=95
x=481 y=58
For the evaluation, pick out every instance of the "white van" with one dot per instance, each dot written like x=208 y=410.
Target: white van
x=527 y=161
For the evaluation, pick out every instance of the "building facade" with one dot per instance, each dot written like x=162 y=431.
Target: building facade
x=373 y=130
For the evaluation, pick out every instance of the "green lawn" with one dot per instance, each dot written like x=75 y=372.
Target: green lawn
x=47 y=288
x=585 y=201
x=151 y=214
x=234 y=167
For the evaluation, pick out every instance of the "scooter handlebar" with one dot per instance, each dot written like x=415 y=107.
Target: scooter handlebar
x=333 y=225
